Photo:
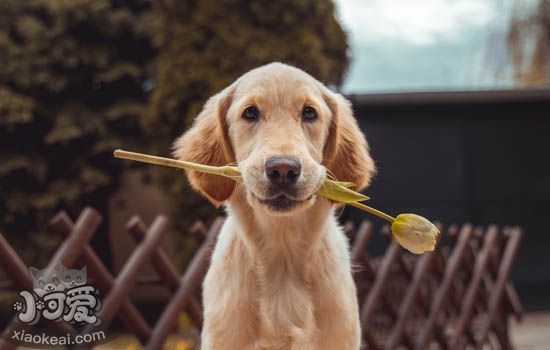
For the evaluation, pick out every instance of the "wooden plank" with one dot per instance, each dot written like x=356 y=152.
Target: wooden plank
x=67 y=253
x=473 y=287
x=440 y=297
x=374 y=297
x=410 y=298
x=129 y=315
x=167 y=271
x=188 y=283
x=129 y=272
x=495 y=297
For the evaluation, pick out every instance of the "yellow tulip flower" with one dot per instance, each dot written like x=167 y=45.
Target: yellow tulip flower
x=414 y=233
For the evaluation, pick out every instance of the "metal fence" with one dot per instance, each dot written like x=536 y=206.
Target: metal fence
x=456 y=297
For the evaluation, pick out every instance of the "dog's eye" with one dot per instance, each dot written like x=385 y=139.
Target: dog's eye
x=251 y=113
x=309 y=114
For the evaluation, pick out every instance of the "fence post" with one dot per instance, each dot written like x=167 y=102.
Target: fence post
x=474 y=285
x=190 y=280
x=67 y=253
x=167 y=271
x=420 y=270
x=127 y=276
x=495 y=297
x=439 y=298
x=61 y=224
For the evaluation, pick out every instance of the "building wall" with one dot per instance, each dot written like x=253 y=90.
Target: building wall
x=467 y=157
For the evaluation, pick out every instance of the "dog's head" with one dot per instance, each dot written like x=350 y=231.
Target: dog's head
x=286 y=131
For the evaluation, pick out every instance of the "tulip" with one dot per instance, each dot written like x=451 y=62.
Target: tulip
x=412 y=232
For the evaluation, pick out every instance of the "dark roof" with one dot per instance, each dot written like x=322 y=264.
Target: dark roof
x=451 y=97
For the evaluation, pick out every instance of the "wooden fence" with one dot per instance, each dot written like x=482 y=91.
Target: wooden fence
x=456 y=297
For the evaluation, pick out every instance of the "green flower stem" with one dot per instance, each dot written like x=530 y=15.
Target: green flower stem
x=169 y=162
x=373 y=211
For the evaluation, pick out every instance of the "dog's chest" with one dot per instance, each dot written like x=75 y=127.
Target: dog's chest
x=286 y=297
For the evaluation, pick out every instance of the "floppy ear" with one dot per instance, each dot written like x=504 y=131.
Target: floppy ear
x=207 y=142
x=346 y=151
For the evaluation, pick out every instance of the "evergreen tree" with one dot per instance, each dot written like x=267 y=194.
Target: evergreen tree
x=73 y=83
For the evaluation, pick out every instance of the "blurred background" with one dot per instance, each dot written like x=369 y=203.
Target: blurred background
x=454 y=97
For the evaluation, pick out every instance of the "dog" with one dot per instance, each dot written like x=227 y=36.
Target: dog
x=280 y=275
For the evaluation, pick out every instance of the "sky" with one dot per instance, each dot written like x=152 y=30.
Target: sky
x=406 y=45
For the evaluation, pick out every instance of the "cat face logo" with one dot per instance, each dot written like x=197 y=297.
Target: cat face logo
x=44 y=281
x=58 y=279
x=73 y=278
x=59 y=294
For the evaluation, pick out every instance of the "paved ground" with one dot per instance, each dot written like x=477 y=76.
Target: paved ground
x=533 y=333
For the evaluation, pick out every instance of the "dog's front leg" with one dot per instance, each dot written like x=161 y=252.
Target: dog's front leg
x=337 y=314
x=230 y=322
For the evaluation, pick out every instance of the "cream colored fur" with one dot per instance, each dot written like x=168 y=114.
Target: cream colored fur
x=278 y=280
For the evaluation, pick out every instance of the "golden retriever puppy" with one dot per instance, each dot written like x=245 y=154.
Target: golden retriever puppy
x=280 y=276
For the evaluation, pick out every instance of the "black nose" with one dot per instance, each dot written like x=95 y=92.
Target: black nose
x=283 y=169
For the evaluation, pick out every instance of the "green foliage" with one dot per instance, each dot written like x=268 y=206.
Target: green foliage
x=71 y=78
x=204 y=45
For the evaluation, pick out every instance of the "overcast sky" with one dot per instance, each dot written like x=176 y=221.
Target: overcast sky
x=402 y=45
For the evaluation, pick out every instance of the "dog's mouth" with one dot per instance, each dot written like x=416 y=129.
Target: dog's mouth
x=282 y=202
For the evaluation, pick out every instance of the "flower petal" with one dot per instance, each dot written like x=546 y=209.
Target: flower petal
x=339 y=192
x=415 y=233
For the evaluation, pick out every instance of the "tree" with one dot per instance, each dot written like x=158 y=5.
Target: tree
x=73 y=83
x=529 y=44
x=204 y=45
